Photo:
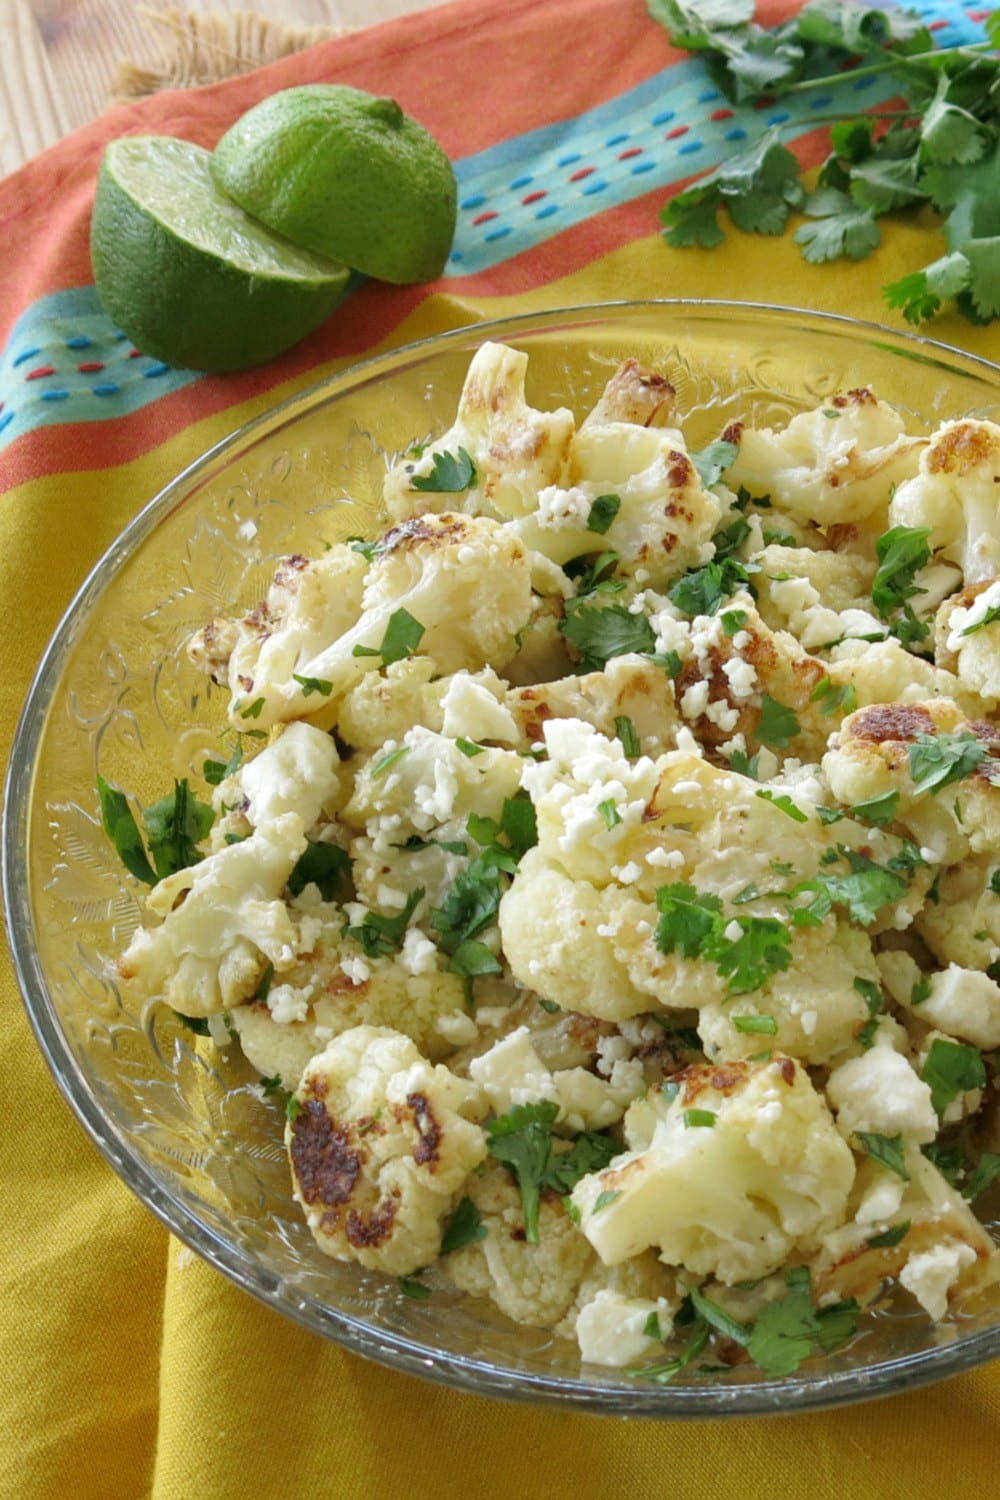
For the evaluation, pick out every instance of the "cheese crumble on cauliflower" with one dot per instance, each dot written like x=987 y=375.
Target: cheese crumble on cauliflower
x=610 y=884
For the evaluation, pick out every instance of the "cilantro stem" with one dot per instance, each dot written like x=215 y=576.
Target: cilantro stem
x=893 y=63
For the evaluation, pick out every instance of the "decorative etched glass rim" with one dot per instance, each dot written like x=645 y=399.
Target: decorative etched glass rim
x=389 y=1348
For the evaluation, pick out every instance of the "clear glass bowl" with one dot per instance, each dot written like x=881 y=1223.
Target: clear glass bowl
x=114 y=692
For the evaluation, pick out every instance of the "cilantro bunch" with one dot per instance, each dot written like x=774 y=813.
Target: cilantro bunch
x=937 y=145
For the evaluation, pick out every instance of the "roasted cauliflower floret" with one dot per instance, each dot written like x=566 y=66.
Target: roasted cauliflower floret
x=939 y=764
x=832 y=466
x=464 y=583
x=299 y=773
x=516 y=450
x=729 y=660
x=334 y=985
x=224 y=921
x=813 y=1010
x=411 y=807
x=634 y=395
x=739 y=1169
x=967 y=639
x=955 y=494
x=553 y=931
x=630 y=687
x=963 y=925
x=512 y=1073
x=820 y=597
x=885 y=672
x=943 y=1256
x=635 y=492
x=380 y=1147
x=532 y=1284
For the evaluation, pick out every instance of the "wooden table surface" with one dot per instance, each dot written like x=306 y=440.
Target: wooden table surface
x=58 y=58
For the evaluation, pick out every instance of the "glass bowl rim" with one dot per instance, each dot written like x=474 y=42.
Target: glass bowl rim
x=396 y=1350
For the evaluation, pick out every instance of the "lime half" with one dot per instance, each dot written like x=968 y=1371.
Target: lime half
x=187 y=274
x=346 y=174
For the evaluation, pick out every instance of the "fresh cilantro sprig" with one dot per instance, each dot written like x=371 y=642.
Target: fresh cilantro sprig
x=379 y=935
x=523 y=1140
x=175 y=826
x=693 y=924
x=784 y=1334
x=938 y=760
x=939 y=147
x=450 y=474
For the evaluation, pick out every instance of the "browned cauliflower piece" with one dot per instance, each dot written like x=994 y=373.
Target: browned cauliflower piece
x=380 y=1146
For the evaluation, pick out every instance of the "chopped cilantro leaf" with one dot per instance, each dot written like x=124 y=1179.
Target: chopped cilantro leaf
x=469 y=747
x=470 y=905
x=864 y=891
x=877 y=810
x=197 y=1024
x=609 y=812
x=699 y=1118
x=778 y=725
x=464 y=1226
x=887 y=1150
x=605 y=1200
x=901 y=553
x=756 y=1025
x=921 y=990
x=951 y=1069
x=378 y=935
x=386 y=763
x=669 y=661
x=629 y=736
x=601 y=634
x=175 y=826
x=310 y=685
x=992 y=614
x=403 y=635
x=717 y=1317
x=834 y=698
x=785 y=1331
x=471 y=959
x=701 y=591
x=448 y=476
x=762 y=949
x=828 y=815
x=324 y=865
x=937 y=760
x=411 y=1287
x=216 y=771
x=603 y=512
x=686 y=919
x=121 y=828
x=784 y=802
x=889 y=1238
x=711 y=462
x=733 y=621
x=651 y=1328
x=743 y=764
x=522 y=1140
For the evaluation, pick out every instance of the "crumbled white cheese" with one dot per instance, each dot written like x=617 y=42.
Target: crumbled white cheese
x=356 y=970
x=694 y=700
x=741 y=675
x=287 y=1003
x=931 y=1274
x=558 y=508
x=666 y=859
x=610 y=1328
x=418 y=955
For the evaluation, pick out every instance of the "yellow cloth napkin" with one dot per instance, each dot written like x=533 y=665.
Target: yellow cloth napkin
x=129 y=1367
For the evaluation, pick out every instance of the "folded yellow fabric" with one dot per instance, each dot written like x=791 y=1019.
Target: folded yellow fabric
x=129 y=1367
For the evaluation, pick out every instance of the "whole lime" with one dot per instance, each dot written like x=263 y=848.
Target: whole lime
x=189 y=276
x=346 y=174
